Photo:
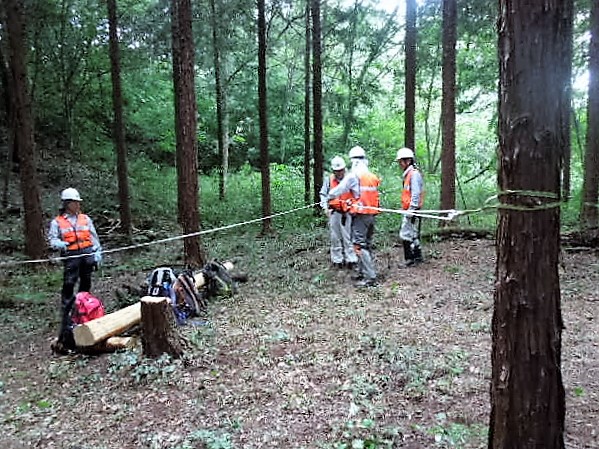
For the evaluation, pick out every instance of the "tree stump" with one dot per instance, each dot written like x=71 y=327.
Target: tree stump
x=159 y=333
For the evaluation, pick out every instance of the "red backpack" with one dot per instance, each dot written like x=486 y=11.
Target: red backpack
x=87 y=307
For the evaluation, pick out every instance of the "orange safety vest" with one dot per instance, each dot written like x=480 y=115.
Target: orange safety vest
x=406 y=194
x=78 y=237
x=369 y=195
x=340 y=204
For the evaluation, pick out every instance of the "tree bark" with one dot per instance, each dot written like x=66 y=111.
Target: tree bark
x=410 y=69
x=159 y=333
x=307 y=98
x=527 y=394
x=118 y=126
x=263 y=113
x=185 y=130
x=23 y=131
x=590 y=188
x=448 y=169
x=317 y=98
x=221 y=103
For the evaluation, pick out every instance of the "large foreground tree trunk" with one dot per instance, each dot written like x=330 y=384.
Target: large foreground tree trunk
x=119 y=126
x=527 y=394
x=23 y=131
x=185 y=129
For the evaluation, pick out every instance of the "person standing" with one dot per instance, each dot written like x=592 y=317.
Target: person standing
x=339 y=218
x=363 y=207
x=412 y=198
x=74 y=235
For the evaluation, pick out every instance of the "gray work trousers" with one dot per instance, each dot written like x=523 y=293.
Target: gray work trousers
x=341 y=243
x=362 y=233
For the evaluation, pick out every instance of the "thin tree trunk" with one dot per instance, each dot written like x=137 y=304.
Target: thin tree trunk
x=410 y=69
x=307 y=98
x=185 y=129
x=221 y=105
x=263 y=116
x=448 y=169
x=119 y=127
x=9 y=111
x=317 y=98
x=590 y=188
x=527 y=394
x=23 y=124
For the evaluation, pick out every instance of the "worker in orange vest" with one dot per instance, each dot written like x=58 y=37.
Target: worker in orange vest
x=74 y=235
x=337 y=212
x=412 y=198
x=363 y=207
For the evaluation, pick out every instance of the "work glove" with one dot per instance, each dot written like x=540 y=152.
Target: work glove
x=61 y=246
x=98 y=258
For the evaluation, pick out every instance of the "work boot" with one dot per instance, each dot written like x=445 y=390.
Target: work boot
x=337 y=265
x=417 y=252
x=357 y=276
x=366 y=283
x=407 y=255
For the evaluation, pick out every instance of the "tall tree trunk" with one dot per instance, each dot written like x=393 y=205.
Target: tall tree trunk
x=23 y=125
x=317 y=98
x=185 y=129
x=9 y=114
x=263 y=113
x=567 y=123
x=590 y=188
x=527 y=394
x=221 y=104
x=119 y=127
x=307 y=98
x=410 y=69
x=448 y=169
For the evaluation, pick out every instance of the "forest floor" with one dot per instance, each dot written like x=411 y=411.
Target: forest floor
x=299 y=358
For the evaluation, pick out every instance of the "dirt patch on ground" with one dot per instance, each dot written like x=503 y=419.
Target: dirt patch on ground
x=301 y=359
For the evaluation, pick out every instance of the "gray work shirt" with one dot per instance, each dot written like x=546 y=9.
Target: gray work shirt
x=416 y=186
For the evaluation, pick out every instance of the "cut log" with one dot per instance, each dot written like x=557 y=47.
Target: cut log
x=159 y=333
x=199 y=277
x=96 y=331
x=100 y=329
x=116 y=343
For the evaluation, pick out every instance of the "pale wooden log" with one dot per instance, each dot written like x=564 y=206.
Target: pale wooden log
x=100 y=329
x=115 y=343
x=158 y=328
x=199 y=277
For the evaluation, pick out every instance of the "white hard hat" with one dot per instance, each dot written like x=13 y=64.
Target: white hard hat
x=404 y=153
x=357 y=152
x=70 y=194
x=337 y=163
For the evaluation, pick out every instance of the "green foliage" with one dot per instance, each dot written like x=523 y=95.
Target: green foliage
x=143 y=370
x=453 y=434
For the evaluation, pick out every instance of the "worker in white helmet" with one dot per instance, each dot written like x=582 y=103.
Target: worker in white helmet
x=412 y=199
x=342 y=251
x=73 y=234
x=363 y=207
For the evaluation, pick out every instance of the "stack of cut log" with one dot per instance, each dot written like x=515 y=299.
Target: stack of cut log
x=156 y=321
